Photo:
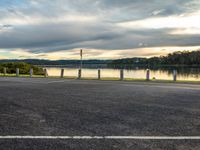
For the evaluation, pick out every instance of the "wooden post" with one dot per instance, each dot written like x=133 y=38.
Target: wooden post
x=79 y=73
x=99 y=74
x=148 y=75
x=17 y=72
x=62 y=73
x=45 y=73
x=174 y=75
x=121 y=74
x=4 y=71
x=31 y=72
x=81 y=59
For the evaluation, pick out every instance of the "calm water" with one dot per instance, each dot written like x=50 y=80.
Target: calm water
x=183 y=73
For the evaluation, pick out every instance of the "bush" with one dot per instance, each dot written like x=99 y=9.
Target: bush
x=24 y=68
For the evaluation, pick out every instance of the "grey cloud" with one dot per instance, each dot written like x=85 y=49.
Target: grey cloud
x=101 y=34
x=117 y=10
x=56 y=37
x=140 y=9
x=5 y=26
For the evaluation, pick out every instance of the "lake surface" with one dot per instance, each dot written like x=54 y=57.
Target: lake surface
x=136 y=73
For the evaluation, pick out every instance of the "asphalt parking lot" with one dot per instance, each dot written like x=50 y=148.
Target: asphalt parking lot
x=60 y=107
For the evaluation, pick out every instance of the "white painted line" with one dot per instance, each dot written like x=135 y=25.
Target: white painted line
x=60 y=81
x=56 y=81
x=106 y=137
x=164 y=86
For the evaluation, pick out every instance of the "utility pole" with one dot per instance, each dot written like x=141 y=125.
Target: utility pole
x=81 y=59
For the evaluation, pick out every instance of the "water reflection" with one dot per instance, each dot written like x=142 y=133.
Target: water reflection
x=136 y=73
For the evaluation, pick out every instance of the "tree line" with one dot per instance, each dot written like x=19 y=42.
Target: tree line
x=176 y=58
x=55 y=62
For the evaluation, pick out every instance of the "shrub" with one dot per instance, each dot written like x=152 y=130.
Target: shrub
x=24 y=68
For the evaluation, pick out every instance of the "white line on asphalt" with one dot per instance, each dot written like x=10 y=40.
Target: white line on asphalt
x=106 y=137
x=60 y=81
x=163 y=86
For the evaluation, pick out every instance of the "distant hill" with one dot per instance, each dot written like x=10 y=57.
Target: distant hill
x=176 y=58
x=135 y=60
x=55 y=62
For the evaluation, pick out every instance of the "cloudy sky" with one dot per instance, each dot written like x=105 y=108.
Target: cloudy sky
x=105 y=29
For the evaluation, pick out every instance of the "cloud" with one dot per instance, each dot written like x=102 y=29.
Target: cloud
x=188 y=21
x=185 y=31
x=157 y=12
x=41 y=27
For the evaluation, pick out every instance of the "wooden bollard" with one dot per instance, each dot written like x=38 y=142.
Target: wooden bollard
x=79 y=73
x=4 y=71
x=148 y=75
x=121 y=74
x=62 y=73
x=174 y=75
x=17 y=72
x=45 y=73
x=99 y=74
x=31 y=72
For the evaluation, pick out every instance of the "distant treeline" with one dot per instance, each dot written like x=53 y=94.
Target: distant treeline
x=176 y=58
x=55 y=62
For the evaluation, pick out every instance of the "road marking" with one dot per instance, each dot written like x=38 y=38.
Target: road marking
x=107 y=137
x=60 y=81
x=164 y=86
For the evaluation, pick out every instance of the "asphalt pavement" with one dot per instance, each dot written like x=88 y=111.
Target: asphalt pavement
x=61 y=107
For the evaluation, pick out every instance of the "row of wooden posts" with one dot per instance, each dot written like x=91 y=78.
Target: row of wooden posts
x=80 y=73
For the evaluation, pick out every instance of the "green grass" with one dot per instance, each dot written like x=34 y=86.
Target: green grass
x=21 y=75
x=7 y=75
x=104 y=79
